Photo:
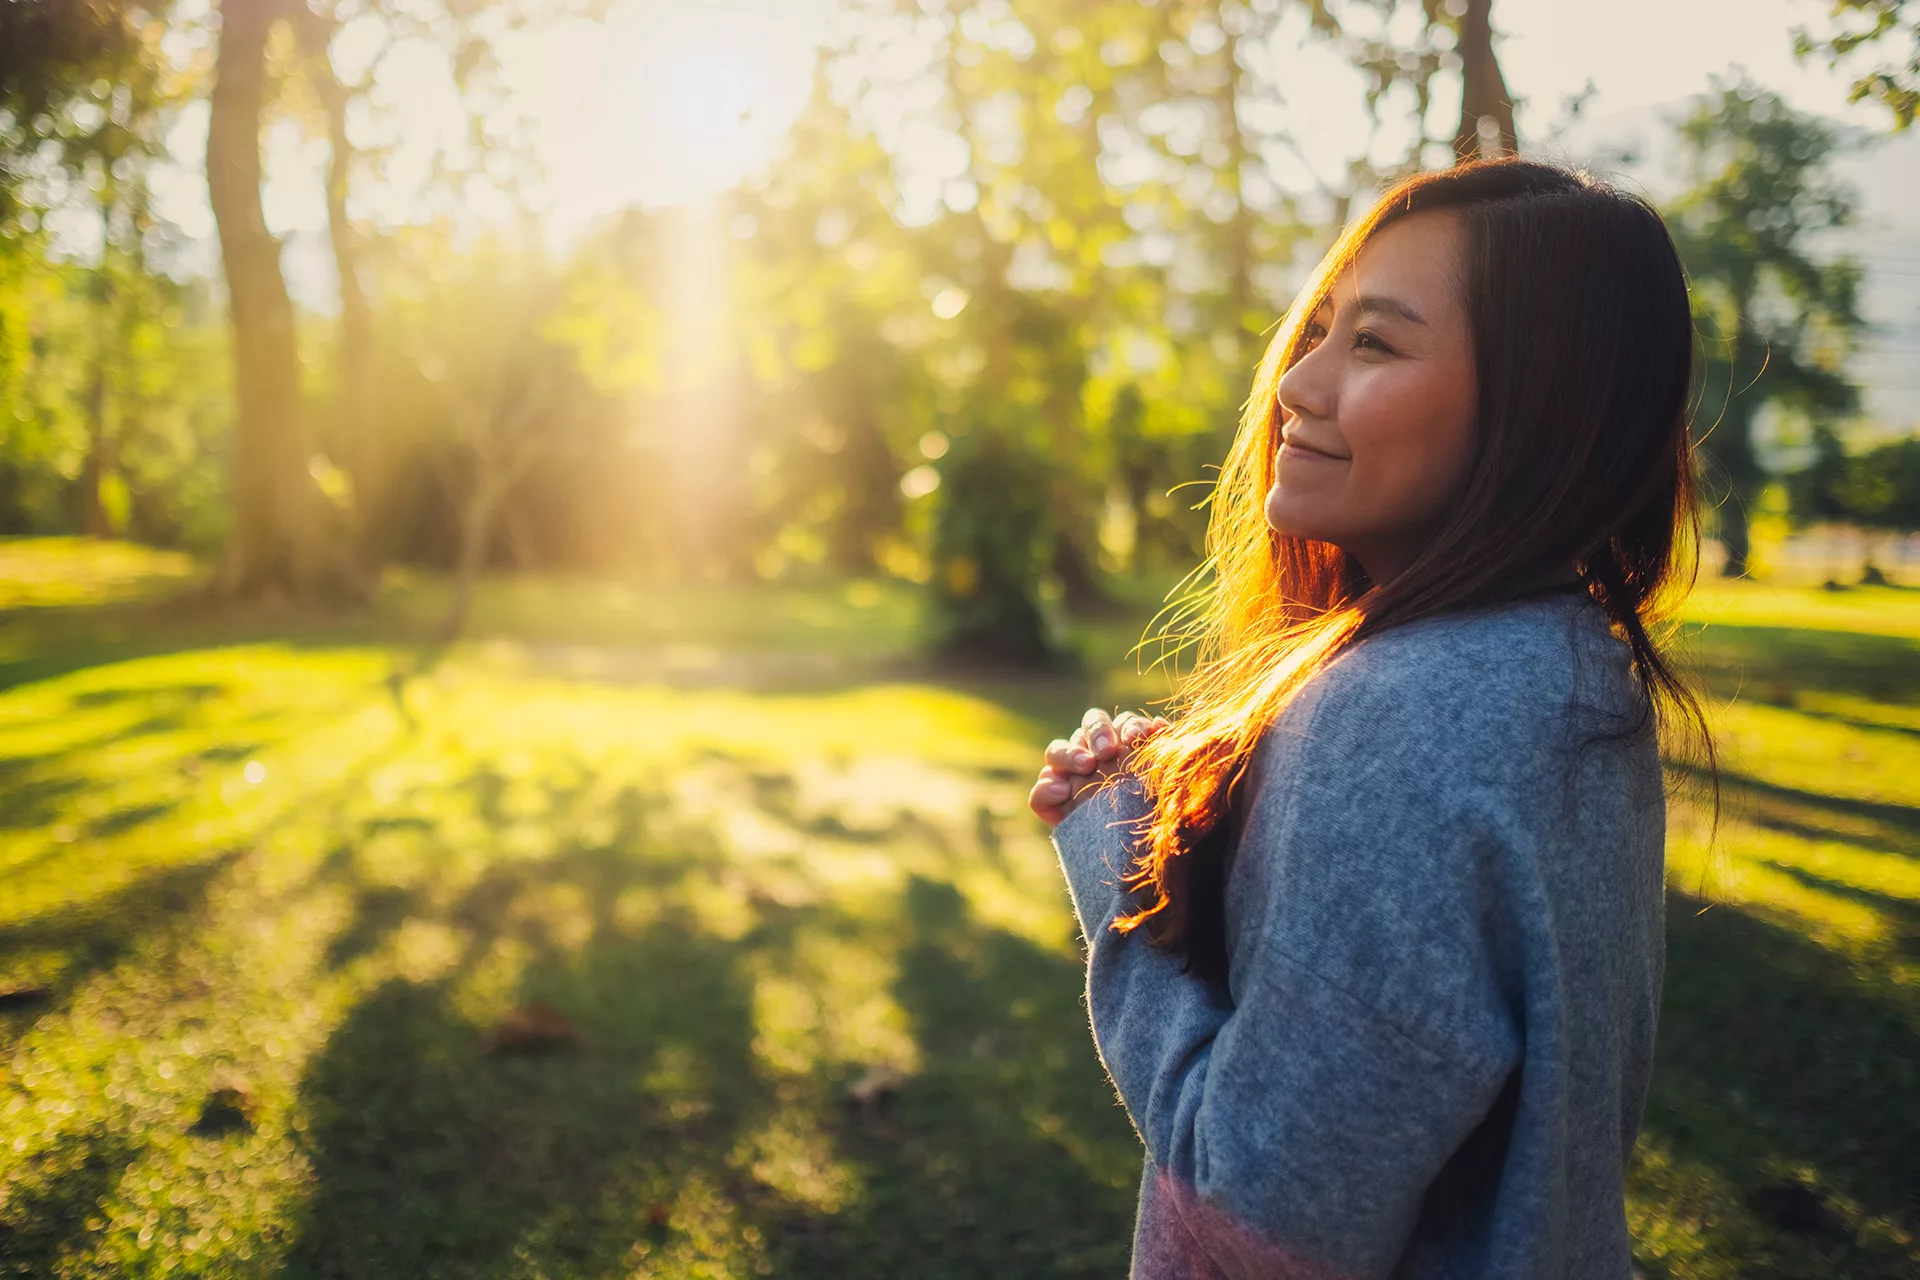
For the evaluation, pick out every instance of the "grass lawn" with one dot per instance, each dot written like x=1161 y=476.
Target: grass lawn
x=272 y=891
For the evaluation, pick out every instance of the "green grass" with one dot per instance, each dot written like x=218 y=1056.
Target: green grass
x=756 y=850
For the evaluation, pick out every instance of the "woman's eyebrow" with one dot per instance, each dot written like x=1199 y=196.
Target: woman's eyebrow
x=1391 y=306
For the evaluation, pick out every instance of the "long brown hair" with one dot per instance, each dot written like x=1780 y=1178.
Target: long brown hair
x=1583 y=349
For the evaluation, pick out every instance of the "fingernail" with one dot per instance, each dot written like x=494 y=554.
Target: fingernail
x=1082 y=758
x=1102 y=740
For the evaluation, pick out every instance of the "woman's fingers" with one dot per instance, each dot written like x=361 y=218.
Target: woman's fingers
x=1133 y=727
x=1085 y=757
x=1050 y=797
x=1101 y=738
x=1068 y=757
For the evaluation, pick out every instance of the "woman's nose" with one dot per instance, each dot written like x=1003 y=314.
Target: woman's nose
x=1305 y=390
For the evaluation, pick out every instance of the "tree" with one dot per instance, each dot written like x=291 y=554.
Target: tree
x=1863 y=24
x=284 y=542
x=1776 y=321
x=488 y=332
x=353 y=398
x=52 y=55
x=81 y=88
x=1486 y=106
x=1881 y=490
x=459 y=30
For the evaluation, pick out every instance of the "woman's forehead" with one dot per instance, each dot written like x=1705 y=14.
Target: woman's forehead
x=1413 y=259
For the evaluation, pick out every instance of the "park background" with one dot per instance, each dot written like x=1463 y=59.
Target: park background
x=543 y=538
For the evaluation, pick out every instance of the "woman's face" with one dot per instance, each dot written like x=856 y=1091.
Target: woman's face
x=1377 y=418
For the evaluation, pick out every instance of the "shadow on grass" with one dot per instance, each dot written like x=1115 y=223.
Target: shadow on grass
x=48 y=1204
x=27 y=803
x=433 y=1156
x=56 y=952
x=1010 y=1154
x=1772 y=664
x=1902 y=914
x=1874 y=825
x=1776 y=1054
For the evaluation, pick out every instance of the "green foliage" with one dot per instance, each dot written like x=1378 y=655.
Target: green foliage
x=990 y=543
x=1878 y=488
x=79 y=78
x=1819 y=491
x=1776 y=321
x=117 y=359
x=1870 y=25
x=1064 y=216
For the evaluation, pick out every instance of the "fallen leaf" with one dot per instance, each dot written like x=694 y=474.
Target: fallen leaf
x=534 y=1027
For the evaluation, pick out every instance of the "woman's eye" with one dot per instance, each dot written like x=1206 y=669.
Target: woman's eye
x=1314 y=333
x=1367 y=340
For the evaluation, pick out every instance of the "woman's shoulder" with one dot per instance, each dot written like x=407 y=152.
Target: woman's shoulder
x=1498 y=679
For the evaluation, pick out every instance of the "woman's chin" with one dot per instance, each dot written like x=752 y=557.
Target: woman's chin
x=1293 y=514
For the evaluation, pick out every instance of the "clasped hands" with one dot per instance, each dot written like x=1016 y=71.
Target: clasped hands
x=1096 y=752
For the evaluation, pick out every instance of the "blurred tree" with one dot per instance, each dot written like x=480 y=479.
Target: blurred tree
x=1877 y=490
x=487 y=330
x=58 y=60
x=285 y=539
x=353 y=409
x=990 y=547
x=462 y=32
x=1818 y=492
x=84 y=91
x=1865 y=24
x=1776 y=321
x=820 y=273
x=1880 y=489
x=1486 y=105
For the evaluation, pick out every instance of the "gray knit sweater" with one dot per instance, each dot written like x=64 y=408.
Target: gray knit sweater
x=1444 y=948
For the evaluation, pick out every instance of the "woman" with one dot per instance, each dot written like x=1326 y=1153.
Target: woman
x=1374 y=923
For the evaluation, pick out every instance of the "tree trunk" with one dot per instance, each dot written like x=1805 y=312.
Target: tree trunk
x=1483 y=90
x=870 y=475
x=1735 y=537
x=279 y=544
x=1247 y=324
x=476 y=524
x=352 y=439
x=1730 y=443
x=94 y=520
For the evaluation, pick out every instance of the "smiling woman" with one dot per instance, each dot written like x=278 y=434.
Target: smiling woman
x=1379 y=409
x=1378 y=978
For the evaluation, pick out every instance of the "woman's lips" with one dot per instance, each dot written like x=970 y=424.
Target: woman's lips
x=1290 y=448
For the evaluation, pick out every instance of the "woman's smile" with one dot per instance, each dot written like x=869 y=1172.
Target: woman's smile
x=1291 y=446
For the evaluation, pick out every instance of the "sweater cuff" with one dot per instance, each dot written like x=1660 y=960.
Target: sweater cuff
x=1096 y=846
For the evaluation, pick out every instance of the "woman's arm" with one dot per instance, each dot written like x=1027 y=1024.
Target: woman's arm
x=1296 y=1124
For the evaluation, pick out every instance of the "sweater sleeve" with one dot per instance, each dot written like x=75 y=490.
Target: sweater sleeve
x=1295 y=1123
